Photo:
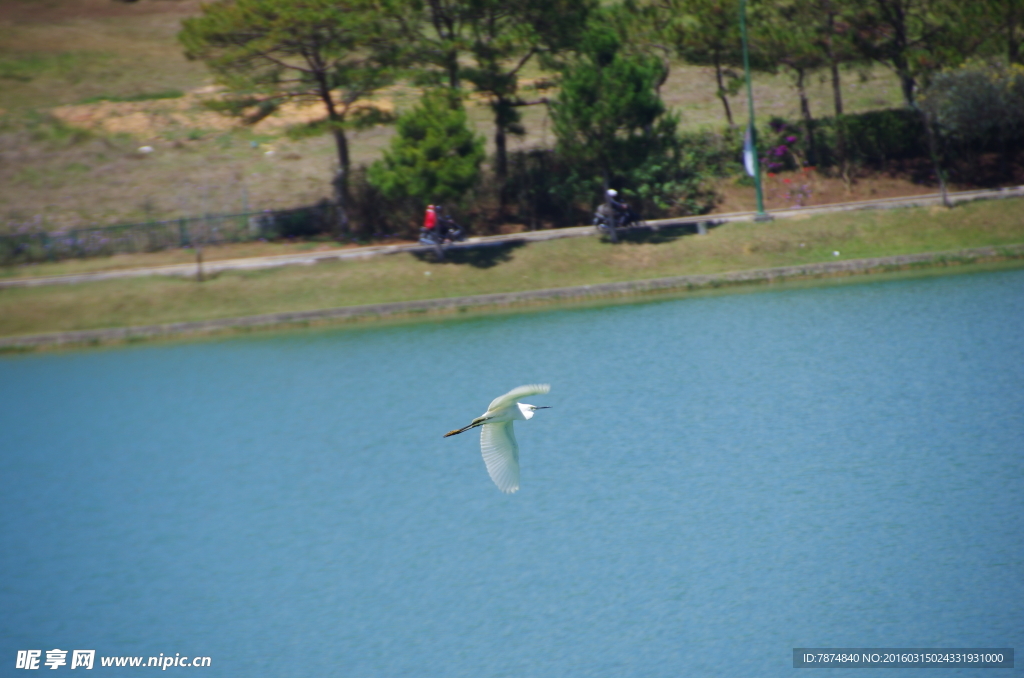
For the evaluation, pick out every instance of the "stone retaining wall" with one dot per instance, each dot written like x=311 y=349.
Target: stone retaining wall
x=510 y=299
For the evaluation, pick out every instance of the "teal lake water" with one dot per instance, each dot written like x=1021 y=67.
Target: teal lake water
x=719 y=480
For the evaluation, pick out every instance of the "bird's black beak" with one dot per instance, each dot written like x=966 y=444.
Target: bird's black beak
x=546 y=407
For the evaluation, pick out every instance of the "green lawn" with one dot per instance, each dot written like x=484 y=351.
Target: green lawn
x=559 y=263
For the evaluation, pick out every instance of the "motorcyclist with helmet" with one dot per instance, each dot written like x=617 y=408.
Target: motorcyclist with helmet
x=613 y=213
x=618 y=207
x=447 y=229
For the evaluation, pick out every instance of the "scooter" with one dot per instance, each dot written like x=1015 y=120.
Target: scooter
x=441 y=235
x=610 y=226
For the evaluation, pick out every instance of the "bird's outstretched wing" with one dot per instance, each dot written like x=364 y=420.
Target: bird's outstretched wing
x=501 y=454
x=517 y=394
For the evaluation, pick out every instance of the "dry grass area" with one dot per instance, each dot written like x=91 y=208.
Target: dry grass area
x=558 y=263
x=55 y=54
x=691 y=91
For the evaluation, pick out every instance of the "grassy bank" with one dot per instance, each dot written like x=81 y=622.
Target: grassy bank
x=514 y=267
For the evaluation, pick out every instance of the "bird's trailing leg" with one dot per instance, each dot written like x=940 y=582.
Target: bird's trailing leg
x=476 y=422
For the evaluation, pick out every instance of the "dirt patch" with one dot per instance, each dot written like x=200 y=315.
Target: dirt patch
x=809 y=187
x=165 y=117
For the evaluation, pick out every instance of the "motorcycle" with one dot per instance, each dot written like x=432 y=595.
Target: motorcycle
x=445 y=233
x=610 y=224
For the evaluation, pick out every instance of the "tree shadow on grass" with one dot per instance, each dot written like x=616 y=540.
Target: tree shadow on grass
x=482 y=255
x=665 y=234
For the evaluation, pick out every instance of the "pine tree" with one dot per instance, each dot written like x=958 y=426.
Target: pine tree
x=270 y=52
x=434 y=157
x=608 y=104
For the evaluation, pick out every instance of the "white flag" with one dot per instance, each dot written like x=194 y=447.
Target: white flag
x=748 y=150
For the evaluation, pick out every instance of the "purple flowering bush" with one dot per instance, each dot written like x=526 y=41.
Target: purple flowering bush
x=781 y=146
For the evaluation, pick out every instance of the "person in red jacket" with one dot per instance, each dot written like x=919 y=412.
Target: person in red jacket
x=430 y=220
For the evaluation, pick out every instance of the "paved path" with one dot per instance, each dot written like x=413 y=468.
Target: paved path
x=511 y=299
x=188 y=270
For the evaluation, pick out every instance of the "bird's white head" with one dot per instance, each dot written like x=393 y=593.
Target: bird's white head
x=528 y=409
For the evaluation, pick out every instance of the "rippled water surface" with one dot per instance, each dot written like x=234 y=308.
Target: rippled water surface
x=719 y=480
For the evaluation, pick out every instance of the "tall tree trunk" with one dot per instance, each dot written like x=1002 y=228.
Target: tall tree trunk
x=1012 y=42
x=721 y=90
x=805 y=111
x=837 y=90
x=840 y=123
x=666 y=69
x=446 y=28
x=897 y=20
x=504 y=116
x=341 y=195
x=837 y=97
x=833 y=61
x=907 y=84
x=340 y=181
x=500 y=154
x=500 y=163
x=936 y=158
x=452 y=66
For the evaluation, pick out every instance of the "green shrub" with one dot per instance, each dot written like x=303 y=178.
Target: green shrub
x=434 y=157
x=302 y=222
x=873 y=139
x=614 y=131
x=979 y=106
x=878 y=136
x=373 y=215
x=673 y=178
x=544 y=190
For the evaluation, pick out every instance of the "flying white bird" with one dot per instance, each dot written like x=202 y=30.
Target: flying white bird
x=498 y=440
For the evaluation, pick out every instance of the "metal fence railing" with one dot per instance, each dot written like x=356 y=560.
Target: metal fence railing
x=39 y=245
